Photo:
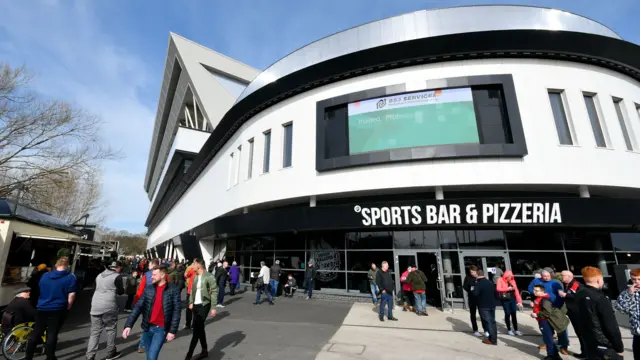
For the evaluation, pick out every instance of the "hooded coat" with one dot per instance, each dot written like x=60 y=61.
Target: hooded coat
x=502 y=286
x=234 y=274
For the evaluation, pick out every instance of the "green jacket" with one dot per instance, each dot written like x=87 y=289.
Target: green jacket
x=417 y=279
x=557 y=317
x=372 y=276
x=209 y=288
x=174 y=277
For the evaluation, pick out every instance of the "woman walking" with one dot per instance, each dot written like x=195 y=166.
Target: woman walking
x=511 y=301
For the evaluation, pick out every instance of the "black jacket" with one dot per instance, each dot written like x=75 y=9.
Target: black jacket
x=310 y=273
x=221 y=276
x=384 y=280
x=485 y=293
x=571 y=289
x=598 y=321
x=17 y=312
x=275 y=272
x=468 y=286
x=170 y=303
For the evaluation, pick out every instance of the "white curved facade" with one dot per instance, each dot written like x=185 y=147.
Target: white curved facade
x=216 y=191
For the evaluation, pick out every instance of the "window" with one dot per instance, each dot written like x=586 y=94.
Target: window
x=237 y=178
x=560 y=117
x=594 y=119
x=250 y=169
x=288 y=145
x=623 y=124
x=267 y=151
x=231 y=163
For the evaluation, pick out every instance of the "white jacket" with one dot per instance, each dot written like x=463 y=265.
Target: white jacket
x=265 y=273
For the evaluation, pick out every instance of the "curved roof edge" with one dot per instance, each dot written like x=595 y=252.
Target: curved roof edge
x=425 y=24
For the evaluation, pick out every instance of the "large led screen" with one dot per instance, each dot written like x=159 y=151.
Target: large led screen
x=435 y=117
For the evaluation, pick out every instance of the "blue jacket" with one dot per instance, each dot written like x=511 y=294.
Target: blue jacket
x=551 y=287
x=55 y=287
x=170 y=304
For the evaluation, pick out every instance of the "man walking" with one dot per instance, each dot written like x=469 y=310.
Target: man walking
x=276 y=271
x=159 y=306
x=385 y=281
x=571 y=288
x=485 y=293
x=629 y=304
x=468 y=286
x=373 y=272
x=189 y=275
x=262 y=284
x=104 y=311
x=221 y=280
x=205 y=291
x=600 y=329
x=57 y=295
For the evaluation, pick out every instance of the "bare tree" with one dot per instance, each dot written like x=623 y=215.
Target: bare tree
x=50 y=148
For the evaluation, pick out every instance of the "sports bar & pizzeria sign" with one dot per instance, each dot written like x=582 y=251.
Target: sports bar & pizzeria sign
x=457 y=214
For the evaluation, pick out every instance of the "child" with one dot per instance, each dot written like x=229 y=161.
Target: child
x=549 y=319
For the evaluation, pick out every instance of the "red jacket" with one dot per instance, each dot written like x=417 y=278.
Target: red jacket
x=189 y=275
x=403 y=278
x=503 y=285
x=537 y=305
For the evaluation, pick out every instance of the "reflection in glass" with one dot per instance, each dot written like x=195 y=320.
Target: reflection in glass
x=258 y=256
x=628 y=258
x=481 y=239
x=361 y=260
x=371 y=240
x=527 y=263
x=328 y=260
x=533 y=239
x=626 y=241
x=587 y=240
x=358 y=282
x=453 y=284
x=416 y=239
x=603 y=261
x=448 y=239
x=330 y=280
x=450 y=262
x=326 y=240
x=291 y=259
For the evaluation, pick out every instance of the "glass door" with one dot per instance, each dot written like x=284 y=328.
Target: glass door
x=492 y=263
x=430 y=264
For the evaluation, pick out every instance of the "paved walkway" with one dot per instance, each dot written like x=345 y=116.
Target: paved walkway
x=293 y=329
x=439 y=336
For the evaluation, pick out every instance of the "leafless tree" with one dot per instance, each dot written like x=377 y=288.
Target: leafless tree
x=51 y=149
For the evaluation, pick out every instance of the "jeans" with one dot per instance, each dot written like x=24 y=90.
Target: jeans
x=51 y=322
x=266 y=291
x=221 y=294
x=563 y=339
x=374 y=291
x=232 y=288
x=309 y=290
x=547 y=337
x=129 y=304
x=421 y=302
x=386 y=299
x=473 y=308
x=200 y=313
x=510 y=314
x=107 y=322
x=274 y=287
x=153 y=338
x=488 y=316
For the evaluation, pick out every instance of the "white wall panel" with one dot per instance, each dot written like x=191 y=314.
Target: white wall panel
x=547 y=161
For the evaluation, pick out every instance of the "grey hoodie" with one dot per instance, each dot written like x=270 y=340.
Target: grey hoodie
x=109 y=284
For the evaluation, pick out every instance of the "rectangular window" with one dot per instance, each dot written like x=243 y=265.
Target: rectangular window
x=267 y=151
x=231 y=164
x=623 y=124
x=250 y=169
x=238 y=165
x=288 y=145
x=594 y=119
x=560 y=117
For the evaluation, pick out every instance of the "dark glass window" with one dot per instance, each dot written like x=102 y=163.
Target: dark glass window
x=628 y=258
x=590 y=102
x=587 y=240
x=626 y=241
x=291 y=259
x=481 y=239
x=328 y=260
x=290 y=241
x=358 y=282
x=371 y=240
x=330 y=280
x=267 y=152
x=527 y=263
x=326 y=240
x=603 y=261
x=250 y=169
x=448 y=239
x=336 y=133
x=256 y=244
x=361 y=260
x=493 y=122
x=258 y=256
x=416 y=239
x=453 y=286
x=617 y=103
x=450 y=262
x=533 y=239
x=288 y=145
x=560 y=117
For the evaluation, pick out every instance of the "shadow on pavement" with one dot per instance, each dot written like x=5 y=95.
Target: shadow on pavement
x=229 y=302
x=527 y=348
x=231 y=339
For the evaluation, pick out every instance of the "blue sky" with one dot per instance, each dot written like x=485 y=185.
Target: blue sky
x=107 y=56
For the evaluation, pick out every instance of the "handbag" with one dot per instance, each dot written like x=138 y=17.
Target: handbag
x=259 y=281
x=505 y=295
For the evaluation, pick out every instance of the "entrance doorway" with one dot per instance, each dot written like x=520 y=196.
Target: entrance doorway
x=492 y=263
x=429 y=263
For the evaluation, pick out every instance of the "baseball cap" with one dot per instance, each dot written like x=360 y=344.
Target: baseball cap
x=115 y=264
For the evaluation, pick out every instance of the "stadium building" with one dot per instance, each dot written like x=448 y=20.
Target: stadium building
x=502 y=136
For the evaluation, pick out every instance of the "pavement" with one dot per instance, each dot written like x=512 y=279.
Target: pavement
x=294 y=329
x=298 y=329
x=441 y=335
